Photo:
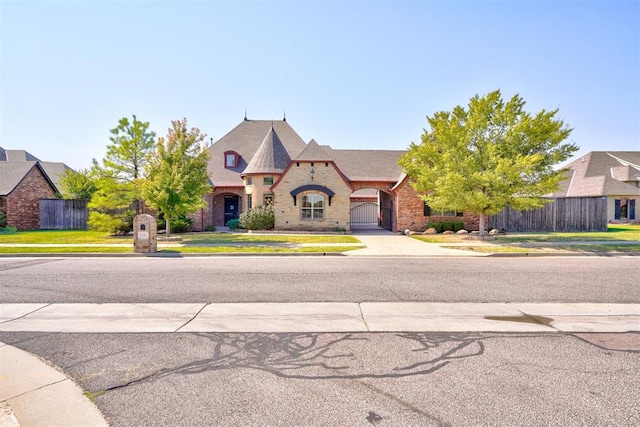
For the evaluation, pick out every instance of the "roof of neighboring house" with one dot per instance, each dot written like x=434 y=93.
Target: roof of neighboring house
x=54 y=170
x=271 y=156
x=17 y=156
x=602 y=173
x=245 y=139
x=12 y=173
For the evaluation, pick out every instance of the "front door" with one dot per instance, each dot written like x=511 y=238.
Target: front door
x=230 y=208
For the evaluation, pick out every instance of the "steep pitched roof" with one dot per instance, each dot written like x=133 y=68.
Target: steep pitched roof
x=271 y=156
x=601 y=173
x=245 y=139
x=17 y=156
x=12 y=173
x=314 y=153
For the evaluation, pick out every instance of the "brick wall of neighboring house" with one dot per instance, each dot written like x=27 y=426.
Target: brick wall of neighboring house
x=410 y=212
x=202 y=219
x=23 y=204
x=288 y=216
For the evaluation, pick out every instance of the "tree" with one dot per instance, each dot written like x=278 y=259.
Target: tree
x=487 y=156
x=131 y=143
x=177 y=173
x=79 y=184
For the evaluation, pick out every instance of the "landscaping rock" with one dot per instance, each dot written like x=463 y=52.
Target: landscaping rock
x=448 y=232
x=463 y=231
x=430 y=231
x=494 y=232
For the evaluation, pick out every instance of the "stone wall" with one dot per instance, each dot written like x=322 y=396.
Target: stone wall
x=289 y=217
x=23 y=204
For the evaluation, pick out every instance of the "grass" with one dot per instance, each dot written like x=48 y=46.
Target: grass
x=189 y=243
x=614 y=232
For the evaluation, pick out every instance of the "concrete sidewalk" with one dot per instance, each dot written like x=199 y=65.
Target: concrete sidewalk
x=34 y=394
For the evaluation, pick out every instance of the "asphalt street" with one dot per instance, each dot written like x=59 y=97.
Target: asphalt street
x=356 y=379
x=305 y=279
x=349 y=378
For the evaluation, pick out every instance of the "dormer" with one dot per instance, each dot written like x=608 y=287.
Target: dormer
x=231 y=159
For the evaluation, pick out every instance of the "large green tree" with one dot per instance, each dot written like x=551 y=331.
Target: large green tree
x=487 y=156
x=177 y=173
x=118 y=180
x=131 y=143
x=79 y=184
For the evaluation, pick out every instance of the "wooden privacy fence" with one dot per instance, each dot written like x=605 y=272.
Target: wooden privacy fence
x=564 y=214
x=63 y=214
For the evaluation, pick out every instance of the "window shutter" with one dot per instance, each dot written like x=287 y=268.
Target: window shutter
x=617 y=209
x=632 y=209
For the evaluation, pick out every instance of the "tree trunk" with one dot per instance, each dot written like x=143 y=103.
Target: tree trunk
x=167 y=226
x=482 y=225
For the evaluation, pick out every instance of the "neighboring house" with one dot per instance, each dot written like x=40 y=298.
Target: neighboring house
x=310 y=186
x=24 y=180
x=53 y=169
x=22 y=185
x=614 y=175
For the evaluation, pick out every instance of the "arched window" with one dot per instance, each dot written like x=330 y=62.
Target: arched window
x=312 y=207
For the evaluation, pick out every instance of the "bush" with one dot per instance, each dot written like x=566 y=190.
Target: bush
x=120 y=223
x=233 y=224
x=178 y=225
x=441 y=226
x=458 y=225
x=3 y=220
x=260 y=217
x=435 y=225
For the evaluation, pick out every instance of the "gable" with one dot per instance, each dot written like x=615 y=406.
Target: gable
x=13 y=173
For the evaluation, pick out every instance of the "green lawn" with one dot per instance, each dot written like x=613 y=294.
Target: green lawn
x=614 y=232
x=189 y=243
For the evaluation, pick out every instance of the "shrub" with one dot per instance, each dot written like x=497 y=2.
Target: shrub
x=435 y=225
x=233 y=224
x=3 y=220
x=458 y=225
x=120 y=223
x=260 y=217
x=447 y=226
x=178 y=225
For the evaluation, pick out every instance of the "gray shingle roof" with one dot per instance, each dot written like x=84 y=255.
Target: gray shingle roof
x=369 y=165
x=602 y=173
x=314 y=153
x=245 y=139
x=271 y=156
x=17 y=156
x=11 y=173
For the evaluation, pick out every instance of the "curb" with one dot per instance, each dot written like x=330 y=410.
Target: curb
x=32 y=393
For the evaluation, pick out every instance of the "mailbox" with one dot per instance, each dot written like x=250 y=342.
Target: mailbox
x=145 y=234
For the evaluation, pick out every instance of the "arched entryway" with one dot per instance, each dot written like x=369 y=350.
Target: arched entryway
x=371 y=209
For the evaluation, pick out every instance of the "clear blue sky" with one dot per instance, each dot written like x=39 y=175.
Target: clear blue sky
x=350 y=74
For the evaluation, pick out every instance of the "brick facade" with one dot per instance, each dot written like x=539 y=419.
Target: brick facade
x=289 y=216
x=410 y=211
x=23 y=203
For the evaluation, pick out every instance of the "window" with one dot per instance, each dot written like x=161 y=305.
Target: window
x=625 y=209
x=268 y=199
x=427 y=211
x=312 y=207
x=267 y=180
x=231 y=159
x=249 y=201
x=248 y=181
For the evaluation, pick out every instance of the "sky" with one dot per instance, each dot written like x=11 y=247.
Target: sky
x=349 y=74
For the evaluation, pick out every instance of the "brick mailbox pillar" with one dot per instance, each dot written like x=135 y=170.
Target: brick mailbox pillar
x=145 y=234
